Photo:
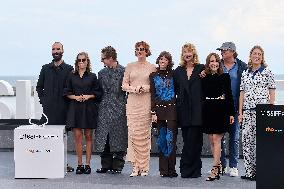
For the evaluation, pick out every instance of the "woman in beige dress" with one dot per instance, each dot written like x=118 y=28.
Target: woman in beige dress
x=138 y=109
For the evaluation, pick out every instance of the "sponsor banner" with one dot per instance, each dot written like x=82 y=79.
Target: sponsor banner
x=270 y=146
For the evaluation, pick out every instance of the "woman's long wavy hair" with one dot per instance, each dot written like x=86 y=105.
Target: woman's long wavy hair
x=189 y=47
x=218 y=59
x=168 y=56
x=262 y=51
x=88 y=69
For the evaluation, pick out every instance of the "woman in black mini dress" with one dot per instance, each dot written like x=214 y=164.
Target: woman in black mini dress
x=218 y=108
x=83 y=89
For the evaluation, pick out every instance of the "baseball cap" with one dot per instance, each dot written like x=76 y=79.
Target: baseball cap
x=227 y=46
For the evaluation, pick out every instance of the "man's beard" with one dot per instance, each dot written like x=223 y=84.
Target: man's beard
x=57 y=56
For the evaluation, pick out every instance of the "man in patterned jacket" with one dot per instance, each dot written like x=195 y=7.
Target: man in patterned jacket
x=111 y=133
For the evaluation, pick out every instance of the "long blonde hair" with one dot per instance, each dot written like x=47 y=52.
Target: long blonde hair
x=189 y=47
x=262 y=51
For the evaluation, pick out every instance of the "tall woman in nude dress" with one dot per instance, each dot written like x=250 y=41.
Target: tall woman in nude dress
x=138 y=109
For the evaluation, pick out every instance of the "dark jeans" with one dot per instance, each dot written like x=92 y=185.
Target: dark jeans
x=234 y=135
x=167 y=164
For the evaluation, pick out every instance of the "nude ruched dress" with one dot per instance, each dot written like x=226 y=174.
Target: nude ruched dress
x=138 y=112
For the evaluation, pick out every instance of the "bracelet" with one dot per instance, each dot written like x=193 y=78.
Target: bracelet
x=153 y=113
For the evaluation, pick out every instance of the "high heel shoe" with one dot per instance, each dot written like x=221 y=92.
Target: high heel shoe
x=135 y=171
x=215 y=173
x=144 y=173
x=221 y=169
x=134 y=174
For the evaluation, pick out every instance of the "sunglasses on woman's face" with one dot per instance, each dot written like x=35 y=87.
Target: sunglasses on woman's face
x=81 y=60
x=139 y=49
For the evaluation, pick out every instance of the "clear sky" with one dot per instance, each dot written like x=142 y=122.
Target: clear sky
x=28 y=29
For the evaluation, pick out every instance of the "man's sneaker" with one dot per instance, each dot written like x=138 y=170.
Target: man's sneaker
x=233 y=172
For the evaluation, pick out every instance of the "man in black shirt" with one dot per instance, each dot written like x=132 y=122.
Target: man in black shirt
x=50 y=85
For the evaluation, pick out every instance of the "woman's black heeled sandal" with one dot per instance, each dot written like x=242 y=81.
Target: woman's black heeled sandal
x=88 y=169
x=215 y=174
x=221 y=169
x=80 y=169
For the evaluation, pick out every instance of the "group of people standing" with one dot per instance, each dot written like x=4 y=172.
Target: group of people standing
x=122 y=104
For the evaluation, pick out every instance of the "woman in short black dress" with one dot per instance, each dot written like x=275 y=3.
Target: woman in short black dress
x=84 y=90
x=218 y=108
